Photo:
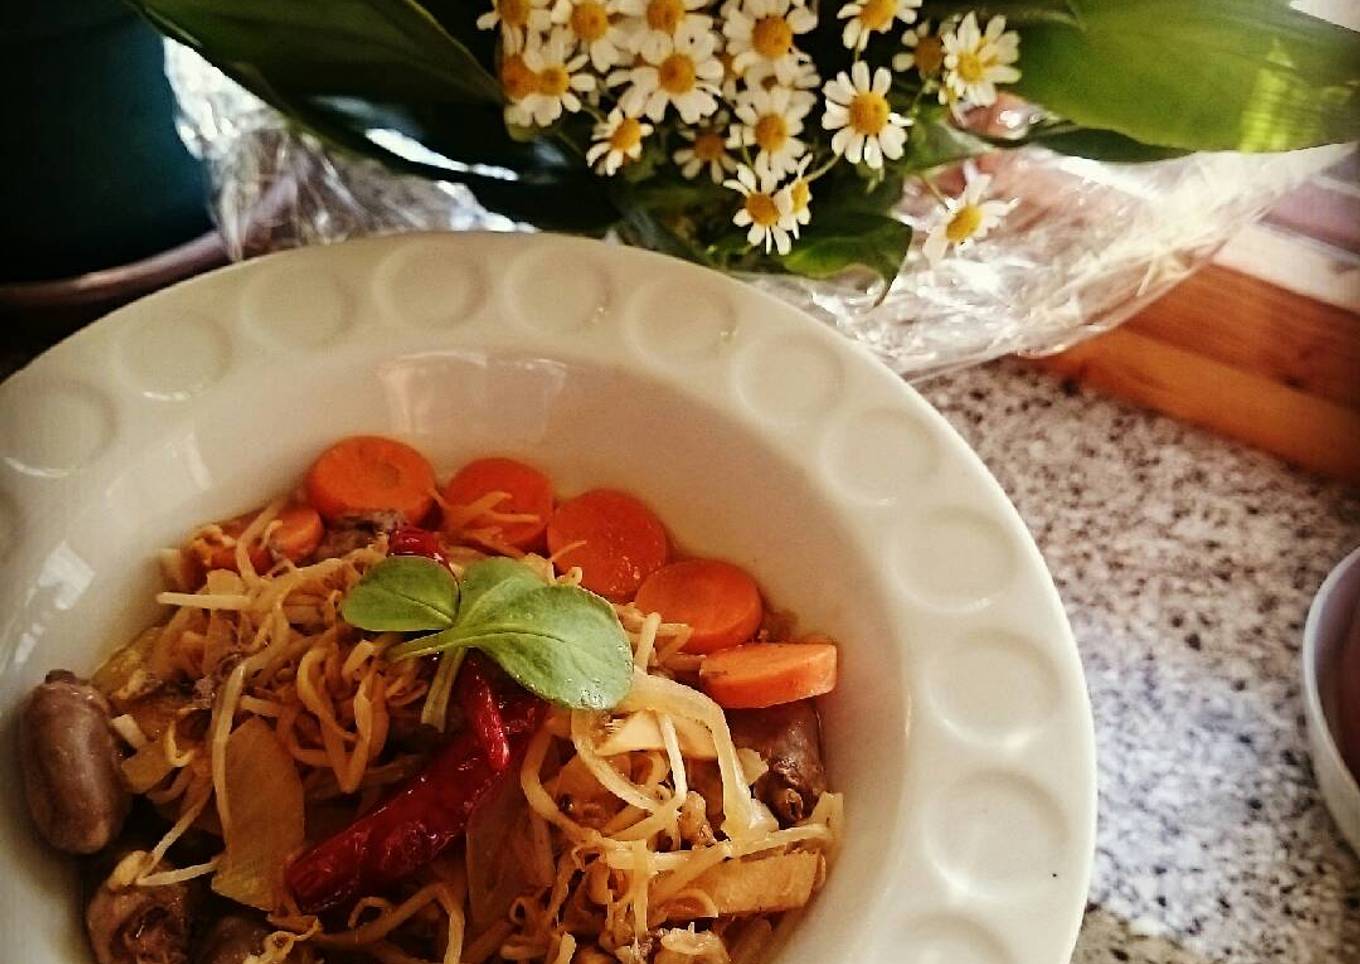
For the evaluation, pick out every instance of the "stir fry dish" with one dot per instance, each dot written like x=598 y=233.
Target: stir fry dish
x=384 y=720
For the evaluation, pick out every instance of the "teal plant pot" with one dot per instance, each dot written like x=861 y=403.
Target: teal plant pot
x=93 y=173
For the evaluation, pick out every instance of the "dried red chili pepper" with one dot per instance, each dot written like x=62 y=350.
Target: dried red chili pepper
x=483 y=715
x=419 y=820
x=414 y=541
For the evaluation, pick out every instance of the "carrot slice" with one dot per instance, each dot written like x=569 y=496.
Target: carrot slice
x=718 y=600
x=622 y=541
x=368 y=473
x=296 y=536
x=529 y=493
x=764 y=674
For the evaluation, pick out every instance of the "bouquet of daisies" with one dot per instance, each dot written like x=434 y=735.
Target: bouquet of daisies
x=776 y=135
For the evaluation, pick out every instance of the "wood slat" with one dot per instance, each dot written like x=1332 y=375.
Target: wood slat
x=1254 y=326
x=1249 y=405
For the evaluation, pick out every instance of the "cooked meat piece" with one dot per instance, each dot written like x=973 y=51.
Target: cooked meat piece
x=71 y=765
x=139 y=925
x=232 y=939
x=788 y=739
x=350 y=532
x=695 y=829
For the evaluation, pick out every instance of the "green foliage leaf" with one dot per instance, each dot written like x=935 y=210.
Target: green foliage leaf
x=1251 y=75
x=835 y=241
x=371 y=48
x=933 y=141
x=1016 y=12
x=1103 y=145
x=348 y=69
x=560 y=642
x=491 y=583
x=403 y=594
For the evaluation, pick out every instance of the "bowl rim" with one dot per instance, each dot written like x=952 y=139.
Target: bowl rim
x=1063 y=910
x=1309 y=655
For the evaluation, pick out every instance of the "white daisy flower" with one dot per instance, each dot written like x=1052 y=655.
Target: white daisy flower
x=707 y=148
x=763 y=32
x=867 y=17
x=558 y=81
x=800 y=194
x=603 y=39
x=770 y=121
x=518 y=82
x=975 y=62
x=659 y=22
x=967 y=218
x=731 y=80
x=516 y=17
x=857 y=110
x=766 y=212
x=618 y=140
x=925 y=51
x=684 y=71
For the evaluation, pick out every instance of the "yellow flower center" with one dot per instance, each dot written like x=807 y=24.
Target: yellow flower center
x=762 y=209
x=772 y=37
x=514 y=13
x=709 y=146
x=589 y=21
x=626 y=136
x=929 y=56
x=964 y=224
x=878 y=14
x=971 y=67
x=554 y=80
x=676 y=74
x=772 y=133
x=800 y=193
x=516 y=78
x=665 y=15
x=869 y=113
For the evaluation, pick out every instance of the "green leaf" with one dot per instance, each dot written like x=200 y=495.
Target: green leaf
x=560 y=642
x=369 y=48
x=933 y=141
x=403 y=594
x=1251 y=75
x=350 y=70
x=1104 y=146
x=491 y=583
x=1016 y=12
x=836 y=240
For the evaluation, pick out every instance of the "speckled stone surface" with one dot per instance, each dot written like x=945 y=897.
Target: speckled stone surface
x=1187 y=565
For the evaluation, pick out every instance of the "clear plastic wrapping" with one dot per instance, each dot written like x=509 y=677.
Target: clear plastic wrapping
x=1087 y=246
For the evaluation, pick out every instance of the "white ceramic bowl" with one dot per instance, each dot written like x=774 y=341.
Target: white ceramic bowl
x=1331 y=618
x=961 y=731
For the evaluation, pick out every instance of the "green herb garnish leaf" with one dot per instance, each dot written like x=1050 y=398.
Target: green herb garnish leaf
x=561 y=642
x=403 y=594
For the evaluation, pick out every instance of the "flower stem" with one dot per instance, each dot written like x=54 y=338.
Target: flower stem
x=834 y=159
x=930 y=186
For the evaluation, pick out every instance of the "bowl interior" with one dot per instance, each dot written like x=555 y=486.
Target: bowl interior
x=1333 y=623
x=960 y=730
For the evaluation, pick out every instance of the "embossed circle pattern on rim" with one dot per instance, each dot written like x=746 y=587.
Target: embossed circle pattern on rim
x=950 y=939
x=993 y=685
x=173 y=356
x=789 y=380
x=55 y=429
x=296 y=311
x=676 y=325
x=420 y=286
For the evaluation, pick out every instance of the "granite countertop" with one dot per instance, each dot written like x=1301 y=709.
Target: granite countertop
x=1187 y=565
